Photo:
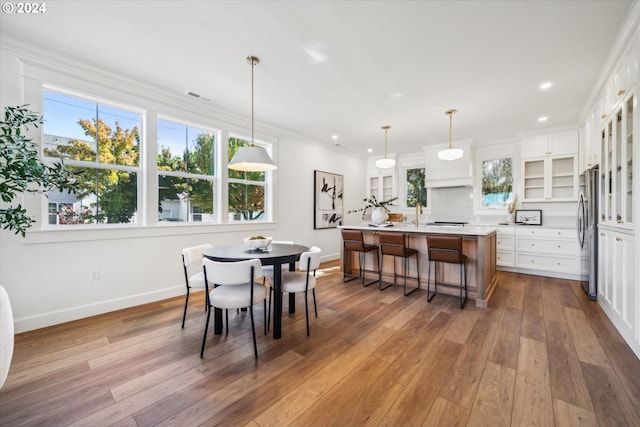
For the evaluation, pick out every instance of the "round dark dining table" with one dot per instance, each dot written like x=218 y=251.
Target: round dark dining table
x=276 y=255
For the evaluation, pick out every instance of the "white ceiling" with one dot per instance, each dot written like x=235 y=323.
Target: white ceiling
x=349 y=67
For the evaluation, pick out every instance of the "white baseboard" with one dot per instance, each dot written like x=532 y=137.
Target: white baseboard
x=50 y=318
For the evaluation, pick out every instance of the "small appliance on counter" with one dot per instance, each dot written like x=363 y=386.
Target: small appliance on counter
x=447 y=223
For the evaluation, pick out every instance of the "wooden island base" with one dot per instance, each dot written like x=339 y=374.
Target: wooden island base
x=478 y=244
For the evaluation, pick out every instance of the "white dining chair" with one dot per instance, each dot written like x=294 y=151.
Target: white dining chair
x=193 y=275
x=233 y=285
x=305 y=279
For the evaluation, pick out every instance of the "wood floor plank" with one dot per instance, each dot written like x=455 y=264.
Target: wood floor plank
x=565 y=373
x=504 y=350
x=465 y=375
x=532 y=399
x=445 y=413
x=412 y=405
x=585 y=341
x=570 y=415
x=494 y=400
x=373 y=358
x=532 y=313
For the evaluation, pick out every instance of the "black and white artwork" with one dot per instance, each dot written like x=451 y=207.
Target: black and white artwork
x=328 y=189
x=529 y=217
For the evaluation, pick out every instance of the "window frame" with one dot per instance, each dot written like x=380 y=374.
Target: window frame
x=507 y=149
x=411 y=161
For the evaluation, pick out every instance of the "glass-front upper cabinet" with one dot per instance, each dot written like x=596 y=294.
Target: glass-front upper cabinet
x=616 y=172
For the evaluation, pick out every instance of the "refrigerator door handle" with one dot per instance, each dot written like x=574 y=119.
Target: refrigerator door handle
x=580 y=215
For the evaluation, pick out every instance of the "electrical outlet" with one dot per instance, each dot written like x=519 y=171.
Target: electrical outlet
x=94 y=275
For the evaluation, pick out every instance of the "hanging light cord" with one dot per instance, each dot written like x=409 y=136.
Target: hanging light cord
x=253 y=60
x=450 y=113
x=386 y=128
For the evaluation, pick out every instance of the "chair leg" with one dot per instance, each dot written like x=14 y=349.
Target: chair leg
x=430 y=294
x=315 y=307
x=406 y=266
x=204 y=338
x=226 y=315
x=265 y=316
x=253 y=330
x=381 y=260
x=306 y=310
x=186 y=302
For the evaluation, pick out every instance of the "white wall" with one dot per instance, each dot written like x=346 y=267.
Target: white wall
x=47 y=274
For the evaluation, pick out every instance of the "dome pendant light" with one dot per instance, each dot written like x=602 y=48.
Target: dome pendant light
x=252 y=158
x=450 y=153
x=385 y=163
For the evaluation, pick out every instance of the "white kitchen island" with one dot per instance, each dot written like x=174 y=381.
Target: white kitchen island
x=478 y=244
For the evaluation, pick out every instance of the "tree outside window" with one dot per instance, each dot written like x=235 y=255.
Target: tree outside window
x=246 y=189
x=415 y=191
x=101 y=144
x=497 y=182
x=186 y=172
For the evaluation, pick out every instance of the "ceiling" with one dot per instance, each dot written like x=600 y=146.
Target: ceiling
x=346 y=68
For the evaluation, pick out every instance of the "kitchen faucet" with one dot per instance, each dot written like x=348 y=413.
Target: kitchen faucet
x=418 y=209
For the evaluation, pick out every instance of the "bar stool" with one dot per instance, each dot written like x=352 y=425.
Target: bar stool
x=394 y=244
x=446 y=249
x=354 y=241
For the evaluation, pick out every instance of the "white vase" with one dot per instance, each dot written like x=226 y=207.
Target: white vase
x=379 y=215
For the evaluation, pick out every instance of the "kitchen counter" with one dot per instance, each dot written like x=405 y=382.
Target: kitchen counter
x=478 y=244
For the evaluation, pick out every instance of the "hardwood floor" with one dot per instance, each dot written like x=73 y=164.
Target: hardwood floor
x=540 y=354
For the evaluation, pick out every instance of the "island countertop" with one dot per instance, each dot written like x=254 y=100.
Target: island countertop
x=478 y=244
x=466 y=230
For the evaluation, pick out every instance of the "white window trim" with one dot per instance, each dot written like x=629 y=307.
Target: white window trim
x=492 y=152
x=411 y=161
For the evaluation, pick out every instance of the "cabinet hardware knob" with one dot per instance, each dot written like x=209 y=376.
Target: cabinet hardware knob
x=532 y=261
x=619 y=239
x=589 y=165
x=559 y=246
x=619 y=221
x=604 y=116
x=621 y=92
x=602 y=234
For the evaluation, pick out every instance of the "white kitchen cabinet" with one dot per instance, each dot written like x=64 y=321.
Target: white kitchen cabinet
x=621 y=81
x=505 y=246
x=550 y=167
x=589 y=139
x=552 y=178
x=616 y=169
x=548 y=250
x=553 y=144
x=616 y=288
x=381 y=182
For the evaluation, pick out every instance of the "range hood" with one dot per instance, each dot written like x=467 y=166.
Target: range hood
x=448 y=173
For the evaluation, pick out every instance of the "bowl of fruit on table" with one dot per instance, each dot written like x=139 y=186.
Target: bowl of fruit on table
x=257 y=242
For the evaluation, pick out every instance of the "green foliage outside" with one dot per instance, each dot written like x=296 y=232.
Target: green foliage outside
x=416 y=191
x=21 y=169
x=116 y=190
x=497 y=182
x=245 y=199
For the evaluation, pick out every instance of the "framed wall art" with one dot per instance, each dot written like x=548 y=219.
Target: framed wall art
x=328 y=201
x=529 y=217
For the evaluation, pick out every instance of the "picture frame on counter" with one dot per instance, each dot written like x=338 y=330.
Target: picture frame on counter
x=528 y=217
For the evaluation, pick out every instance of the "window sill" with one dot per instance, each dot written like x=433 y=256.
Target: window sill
x=35 y=237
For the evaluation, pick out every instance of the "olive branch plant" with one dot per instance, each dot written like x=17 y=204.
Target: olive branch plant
x=22 y=170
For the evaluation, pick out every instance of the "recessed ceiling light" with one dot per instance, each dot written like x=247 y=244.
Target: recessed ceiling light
x=545 y=85
x=542 y=119
x=334 y=137
x=369 y=150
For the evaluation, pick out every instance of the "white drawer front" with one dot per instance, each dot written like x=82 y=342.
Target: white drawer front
x=552 y=263
x=532 y=231
x=505 y=259
x=506 y=231
x=563 y=247
x=505 y=243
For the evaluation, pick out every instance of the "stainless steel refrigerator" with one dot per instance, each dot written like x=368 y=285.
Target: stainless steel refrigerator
x=588 y=229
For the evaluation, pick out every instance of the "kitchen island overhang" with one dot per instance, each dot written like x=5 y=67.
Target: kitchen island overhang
x=478 y=244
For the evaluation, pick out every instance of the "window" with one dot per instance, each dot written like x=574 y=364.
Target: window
x=497 y=182
x=246 y=189
x=186 y=173
x=415 y=190
x=101 y=143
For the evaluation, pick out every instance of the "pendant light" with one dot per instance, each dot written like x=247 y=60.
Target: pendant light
x=252 y=158
x=450 y=153
x=385 y=163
